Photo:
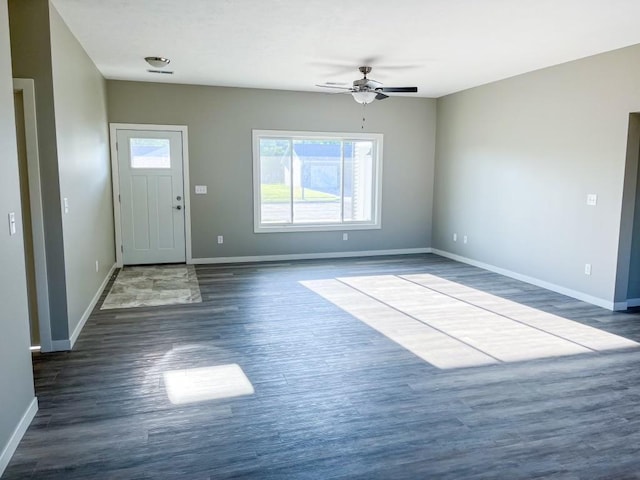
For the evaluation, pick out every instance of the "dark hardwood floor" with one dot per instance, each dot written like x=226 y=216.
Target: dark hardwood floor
x=333 y=397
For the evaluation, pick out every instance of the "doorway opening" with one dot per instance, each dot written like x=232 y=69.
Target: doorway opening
x=32 y=214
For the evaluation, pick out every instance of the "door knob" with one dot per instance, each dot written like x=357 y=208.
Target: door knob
x=178 y=207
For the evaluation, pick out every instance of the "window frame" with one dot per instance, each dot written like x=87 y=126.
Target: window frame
x=376 y=213
x=132 y=157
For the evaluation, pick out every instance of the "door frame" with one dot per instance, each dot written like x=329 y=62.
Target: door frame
x=115 y=181
x=27 y=87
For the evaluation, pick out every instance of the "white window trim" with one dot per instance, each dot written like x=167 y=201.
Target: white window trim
x=374 y=224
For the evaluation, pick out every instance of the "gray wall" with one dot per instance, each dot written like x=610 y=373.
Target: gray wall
x=220 y=121
x=16 y=379
x=516 y=159
x=31 y=58
x=74 y=158
x=633 y=151
x=83 y=164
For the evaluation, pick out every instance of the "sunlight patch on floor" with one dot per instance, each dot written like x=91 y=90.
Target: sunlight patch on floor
x=590 y=337
x=451 y=326
x=206 y=383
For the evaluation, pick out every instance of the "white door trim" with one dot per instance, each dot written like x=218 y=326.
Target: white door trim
x=27 y=87
x=113 y=129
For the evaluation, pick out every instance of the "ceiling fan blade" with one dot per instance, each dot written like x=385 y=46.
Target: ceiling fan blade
x=336 y=92
x=400 y=89
x=381 y=96
x=334 y=86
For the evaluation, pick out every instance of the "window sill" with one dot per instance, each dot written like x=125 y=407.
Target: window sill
x=316 y=228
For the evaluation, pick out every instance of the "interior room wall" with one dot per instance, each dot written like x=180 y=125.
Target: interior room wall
x=74 y=160
x=516 y=160
x=16 y=377
x=31 y=58
x=633 y=292
x=84 y=168
x=220 y=121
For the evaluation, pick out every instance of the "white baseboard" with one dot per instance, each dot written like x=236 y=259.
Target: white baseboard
x=600 y=302
x=308 y=256
x=87 y=312
x=18 y=433
x=620 y=306
x=60 y=346
x=633 y=302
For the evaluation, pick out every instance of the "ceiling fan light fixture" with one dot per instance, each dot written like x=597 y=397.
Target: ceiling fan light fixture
x=364 y=97
x=157 y=62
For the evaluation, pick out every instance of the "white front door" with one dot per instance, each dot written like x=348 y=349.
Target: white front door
x=150 y=174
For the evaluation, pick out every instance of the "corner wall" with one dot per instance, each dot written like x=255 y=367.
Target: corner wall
x=82 y=136
x=516 y=159
x=71 y=109
x=220 y=121
x=633 y=265
x=16 y=377
x=31 y=58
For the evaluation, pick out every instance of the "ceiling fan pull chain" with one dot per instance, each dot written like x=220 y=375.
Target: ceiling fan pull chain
x=364 y=106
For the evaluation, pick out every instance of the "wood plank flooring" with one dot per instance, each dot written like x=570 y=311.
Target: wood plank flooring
x=334 y=398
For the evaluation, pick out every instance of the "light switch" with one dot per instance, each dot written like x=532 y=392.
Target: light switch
x=12 y=223
x=201 y=189
x=592 y=199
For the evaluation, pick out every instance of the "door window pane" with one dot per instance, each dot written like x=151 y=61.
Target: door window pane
x=150 y=152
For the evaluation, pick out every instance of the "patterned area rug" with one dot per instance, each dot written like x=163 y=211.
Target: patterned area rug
x=152 y=286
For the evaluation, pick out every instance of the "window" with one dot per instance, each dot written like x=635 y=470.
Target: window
x=316 y=181
x=150 y=152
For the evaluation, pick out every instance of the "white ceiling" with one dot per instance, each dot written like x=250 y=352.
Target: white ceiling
x=442 y=46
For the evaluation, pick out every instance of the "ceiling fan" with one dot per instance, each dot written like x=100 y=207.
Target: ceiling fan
x=366 y=90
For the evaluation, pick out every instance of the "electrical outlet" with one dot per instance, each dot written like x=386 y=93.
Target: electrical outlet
x=65 y=202
x=455 y=237
x=220 y=239
x=592 y=199
x=464 y=239
x=587 y=269
x=345 y=236
x=97 y=266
